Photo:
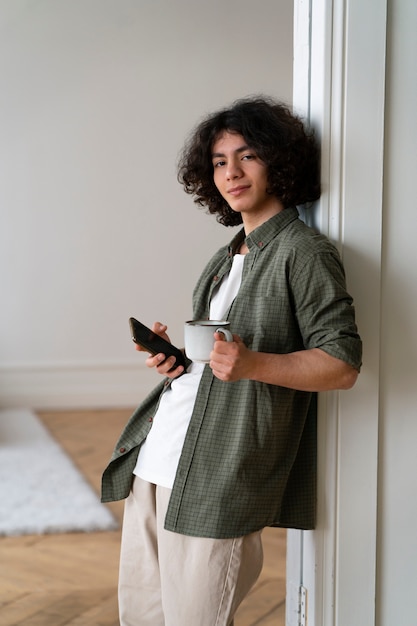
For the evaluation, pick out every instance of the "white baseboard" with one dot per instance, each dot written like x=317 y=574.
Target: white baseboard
x=75 y=385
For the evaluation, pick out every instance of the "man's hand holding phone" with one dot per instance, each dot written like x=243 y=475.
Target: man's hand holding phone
x=168 y=360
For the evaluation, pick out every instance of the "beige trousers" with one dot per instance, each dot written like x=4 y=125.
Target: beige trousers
x=168 y=579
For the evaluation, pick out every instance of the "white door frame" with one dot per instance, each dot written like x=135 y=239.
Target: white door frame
x=339 y=82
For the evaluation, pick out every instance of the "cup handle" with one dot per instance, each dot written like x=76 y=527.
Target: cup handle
x=226 y=333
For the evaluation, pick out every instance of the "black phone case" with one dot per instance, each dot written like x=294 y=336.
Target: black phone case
x=153 y=343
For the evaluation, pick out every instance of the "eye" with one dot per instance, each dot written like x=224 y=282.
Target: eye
x=248 y=157
x=219 y=163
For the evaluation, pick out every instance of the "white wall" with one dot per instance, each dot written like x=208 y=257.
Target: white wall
x=385 y=291
x=96 y=99
x=339 y=76
x=397 y=546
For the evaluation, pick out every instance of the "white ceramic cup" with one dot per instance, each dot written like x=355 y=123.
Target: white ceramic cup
x=199 y=338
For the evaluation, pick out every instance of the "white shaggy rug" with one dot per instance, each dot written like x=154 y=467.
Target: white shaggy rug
x=41 y=490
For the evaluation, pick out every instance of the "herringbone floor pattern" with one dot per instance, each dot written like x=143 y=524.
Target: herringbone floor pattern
x=71 y=579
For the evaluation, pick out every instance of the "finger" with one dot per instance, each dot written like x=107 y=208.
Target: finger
x=166 y=365
x=159 y=328
x=219 y=337
x=173 y=373
x=155 y=360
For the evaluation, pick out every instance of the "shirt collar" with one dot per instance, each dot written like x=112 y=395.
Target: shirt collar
x=261 y=236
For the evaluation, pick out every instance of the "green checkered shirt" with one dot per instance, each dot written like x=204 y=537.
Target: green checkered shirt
x=249 y=457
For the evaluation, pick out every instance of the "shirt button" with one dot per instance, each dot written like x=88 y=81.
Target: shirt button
x=260 y=244
x=122 y=450
x=215 y=278
x=150 y=419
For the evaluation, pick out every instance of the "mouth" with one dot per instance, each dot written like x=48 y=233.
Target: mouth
x=236 y=191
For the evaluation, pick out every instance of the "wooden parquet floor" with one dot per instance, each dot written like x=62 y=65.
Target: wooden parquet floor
x=71 y=579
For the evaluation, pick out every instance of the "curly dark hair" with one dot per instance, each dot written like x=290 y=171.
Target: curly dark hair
x=279 y=138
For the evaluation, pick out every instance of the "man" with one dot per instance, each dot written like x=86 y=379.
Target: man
x=218 y=452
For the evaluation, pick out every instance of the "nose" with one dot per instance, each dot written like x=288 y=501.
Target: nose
x=233 y=169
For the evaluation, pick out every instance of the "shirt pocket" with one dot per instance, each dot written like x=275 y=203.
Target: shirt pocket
x=266 y=323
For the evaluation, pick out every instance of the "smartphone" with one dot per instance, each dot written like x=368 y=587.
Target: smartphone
x=153 y=343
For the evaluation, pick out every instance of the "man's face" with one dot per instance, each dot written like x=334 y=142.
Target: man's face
x=241 y=178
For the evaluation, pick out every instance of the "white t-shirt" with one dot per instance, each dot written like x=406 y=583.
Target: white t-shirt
x=160 y=453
